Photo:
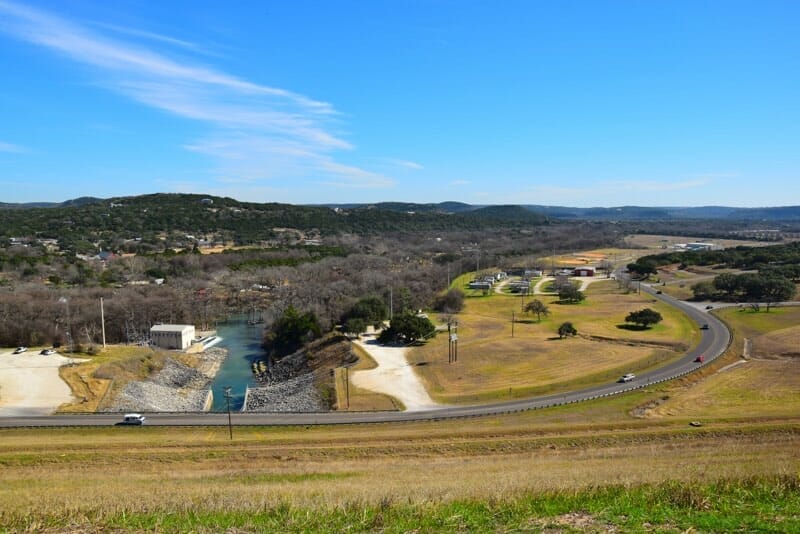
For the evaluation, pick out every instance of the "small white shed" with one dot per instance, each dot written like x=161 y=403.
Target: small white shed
x=172 y=336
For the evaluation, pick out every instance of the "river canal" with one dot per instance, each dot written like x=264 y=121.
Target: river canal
x=243 y=342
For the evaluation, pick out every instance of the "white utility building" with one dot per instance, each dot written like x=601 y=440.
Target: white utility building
x=172 y=336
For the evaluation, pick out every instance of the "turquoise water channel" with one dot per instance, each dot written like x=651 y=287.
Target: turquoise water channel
x=243 y=342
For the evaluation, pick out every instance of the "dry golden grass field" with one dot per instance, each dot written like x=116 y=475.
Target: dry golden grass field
x=493 y=365
x=86 y=476
x=766 y=384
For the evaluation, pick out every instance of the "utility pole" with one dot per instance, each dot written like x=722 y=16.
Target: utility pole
x=228 y=399
x=103 y=322
x=452 y=343
x=512 y=323
x=65 y=300
x=347 y=385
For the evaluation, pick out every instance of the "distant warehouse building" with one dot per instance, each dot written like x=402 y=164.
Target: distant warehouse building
x=172 y=336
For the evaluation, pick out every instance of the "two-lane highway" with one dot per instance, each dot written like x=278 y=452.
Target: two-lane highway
x=713 y=343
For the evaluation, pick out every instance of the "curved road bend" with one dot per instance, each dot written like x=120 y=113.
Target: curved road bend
x=713 y=343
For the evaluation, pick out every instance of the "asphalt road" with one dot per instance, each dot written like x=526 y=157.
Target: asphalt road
x=713 y=343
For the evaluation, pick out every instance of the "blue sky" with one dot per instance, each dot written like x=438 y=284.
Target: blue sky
x=657 y=103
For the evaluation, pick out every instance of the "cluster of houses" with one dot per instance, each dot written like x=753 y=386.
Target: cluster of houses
x=487 y=281
x=523 y=285
x=47 y=243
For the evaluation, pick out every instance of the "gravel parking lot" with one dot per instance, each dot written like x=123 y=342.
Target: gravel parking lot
x=30 y=383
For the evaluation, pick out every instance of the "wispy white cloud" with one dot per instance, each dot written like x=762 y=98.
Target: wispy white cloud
x=456 y=183
x=253 y=131
x=340 y=175
x=405 y=164
x=135 y=32
x=12 y=148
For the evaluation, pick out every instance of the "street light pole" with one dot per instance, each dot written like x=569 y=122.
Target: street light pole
x=228 y=399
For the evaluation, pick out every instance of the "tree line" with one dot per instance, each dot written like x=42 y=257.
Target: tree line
x=406 y=270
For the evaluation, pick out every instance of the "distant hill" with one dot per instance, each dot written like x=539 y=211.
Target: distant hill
x=87 y=221
x=410 y=207
x=107 y=223
x=622 y=213
x=82 y=201
x=619 y=213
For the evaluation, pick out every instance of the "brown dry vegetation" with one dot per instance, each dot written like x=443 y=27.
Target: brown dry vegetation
x=100 y=472
x=493 y=365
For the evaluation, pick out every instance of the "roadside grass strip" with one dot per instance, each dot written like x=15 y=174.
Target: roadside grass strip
x=757 y=504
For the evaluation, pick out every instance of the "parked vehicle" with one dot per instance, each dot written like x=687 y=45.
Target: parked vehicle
x=132 y=419
x=47 y=352
x=20 y=350
x=627 y=378
x=709 y=307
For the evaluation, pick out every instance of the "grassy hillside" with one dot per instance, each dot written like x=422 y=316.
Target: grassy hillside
x=494 y=473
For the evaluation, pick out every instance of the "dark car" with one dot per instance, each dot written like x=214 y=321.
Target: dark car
x=700 y=359
x=704 y=327
x=709 y=307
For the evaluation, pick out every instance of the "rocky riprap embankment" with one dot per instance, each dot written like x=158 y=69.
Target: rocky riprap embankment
x=288 y=387
x=296 y=394
x=176 y=388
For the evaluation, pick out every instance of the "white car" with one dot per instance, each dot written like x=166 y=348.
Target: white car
x=47 y=352
x=132 y=419
x=20 y=350
x=627 y=378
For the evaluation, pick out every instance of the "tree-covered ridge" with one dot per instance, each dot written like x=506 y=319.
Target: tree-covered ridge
x=151 y=218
